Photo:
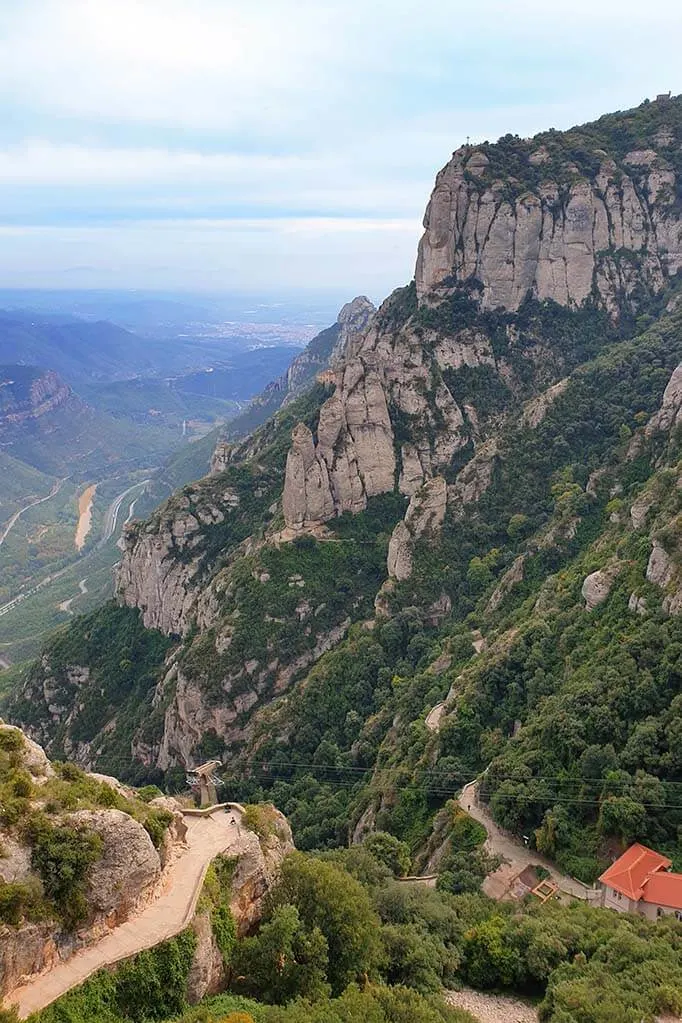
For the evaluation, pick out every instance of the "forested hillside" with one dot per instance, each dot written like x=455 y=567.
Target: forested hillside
x=477 y=511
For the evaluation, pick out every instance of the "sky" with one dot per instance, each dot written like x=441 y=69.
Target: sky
x=280 y=144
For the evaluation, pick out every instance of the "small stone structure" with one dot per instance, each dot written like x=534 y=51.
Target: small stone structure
x=204 y=779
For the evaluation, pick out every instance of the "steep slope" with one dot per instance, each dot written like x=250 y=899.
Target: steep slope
x=457 y=472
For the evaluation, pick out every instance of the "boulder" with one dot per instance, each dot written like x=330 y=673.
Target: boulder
x=597 y=586
x=128 y=868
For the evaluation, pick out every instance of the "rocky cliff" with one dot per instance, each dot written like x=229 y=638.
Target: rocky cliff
x=474 y=458
x=321 y=354
x=28 y=394
x=130 y=848
x=571 y=224
x=127 y=869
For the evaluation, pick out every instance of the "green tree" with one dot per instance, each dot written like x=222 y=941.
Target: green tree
x=389 y=850
x=328 y=898
x=283 y=961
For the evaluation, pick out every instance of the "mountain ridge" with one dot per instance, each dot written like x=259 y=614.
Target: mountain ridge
x=471 y=464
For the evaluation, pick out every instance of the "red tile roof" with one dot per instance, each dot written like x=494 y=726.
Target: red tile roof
x=663 y=890
x=632 y=871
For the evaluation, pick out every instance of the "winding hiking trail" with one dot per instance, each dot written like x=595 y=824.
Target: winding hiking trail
x=163 y=918
x=515 y=855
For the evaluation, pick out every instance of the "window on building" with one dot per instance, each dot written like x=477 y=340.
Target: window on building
x=659 y=911
x=678 y=914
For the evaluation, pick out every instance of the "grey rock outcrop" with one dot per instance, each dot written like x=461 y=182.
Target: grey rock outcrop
x=597 y=586
x=353 y=459
x=157 y=572
x=557 y=238
x=670 y=413
x=534 y=411
x=128 y=868
x=424 y=516
x=664 y=571
x=473 y=480
x=258 y=869
x=511 y=577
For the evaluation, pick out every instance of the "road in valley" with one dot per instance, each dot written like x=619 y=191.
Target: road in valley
x=32 y=504
x=111 y=514
x=108 y=528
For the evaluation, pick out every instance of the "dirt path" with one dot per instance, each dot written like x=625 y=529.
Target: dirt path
x=162 y=919
x=492 y=1008
x=84 y=515
x=516 y=855
x=17 y=515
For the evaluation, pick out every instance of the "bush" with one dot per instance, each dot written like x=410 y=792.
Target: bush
x=62 y=856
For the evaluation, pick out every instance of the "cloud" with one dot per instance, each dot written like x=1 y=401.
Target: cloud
x=310 y=128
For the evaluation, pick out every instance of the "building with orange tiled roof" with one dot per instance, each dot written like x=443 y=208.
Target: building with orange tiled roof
x=640 y=881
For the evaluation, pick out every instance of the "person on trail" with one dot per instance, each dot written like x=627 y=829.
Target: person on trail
x=232 y=820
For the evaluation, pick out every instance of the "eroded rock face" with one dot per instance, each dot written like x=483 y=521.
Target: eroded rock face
x=307 y=498
x=257 y=870
x=129 y=865
x=473 y=480
x=424 y=516
x=670 y=412
x=597 y=586
x=536 y=244
x=535 y=410
x=161 y=558
x=511 y=577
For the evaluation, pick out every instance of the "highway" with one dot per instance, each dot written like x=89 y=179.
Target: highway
x=108 y=529
x=111 y=514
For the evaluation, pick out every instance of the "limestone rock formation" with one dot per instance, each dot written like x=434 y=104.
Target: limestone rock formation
x=473 y=480
x=597 y=586
x=670 y=412
x=535 y=410
x=257 y=870
x=129 y=865
x=307 y=498
x=424 y=516
x=160 y=561
x=556 y=238
x=353 y=458
x=664 y=570
x=511 y=577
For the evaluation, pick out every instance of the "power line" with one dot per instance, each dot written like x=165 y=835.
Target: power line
x=276 y=763
x=266 y=769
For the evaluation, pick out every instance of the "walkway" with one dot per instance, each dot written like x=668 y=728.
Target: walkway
x=517 y=856
x=162 y=919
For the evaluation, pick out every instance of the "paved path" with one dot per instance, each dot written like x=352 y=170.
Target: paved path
x=162 y=919
x=518 y=857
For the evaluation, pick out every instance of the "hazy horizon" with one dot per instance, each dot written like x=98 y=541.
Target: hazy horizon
x=220 y=146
